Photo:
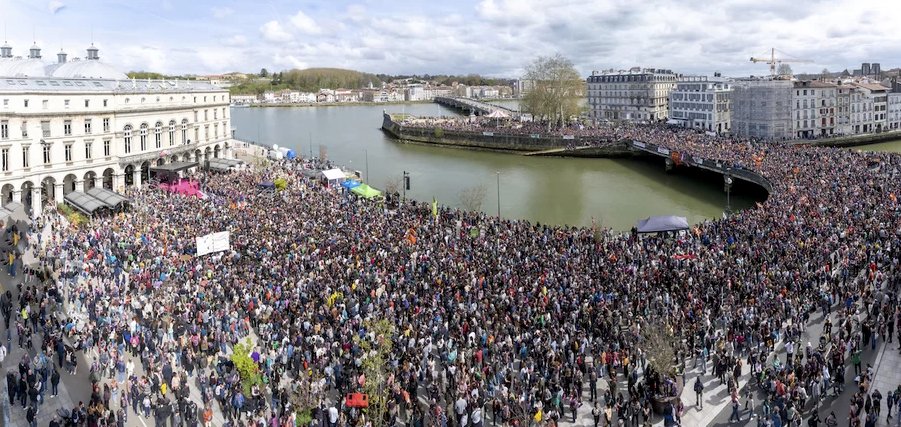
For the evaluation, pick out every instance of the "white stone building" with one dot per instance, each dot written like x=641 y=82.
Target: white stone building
x=702 y=102
x=869 y=107
x=636 y=95
x=74 y=125
x=893 y=121
x=813 y=110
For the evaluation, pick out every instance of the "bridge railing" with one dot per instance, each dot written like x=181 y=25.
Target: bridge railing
x=719 y=166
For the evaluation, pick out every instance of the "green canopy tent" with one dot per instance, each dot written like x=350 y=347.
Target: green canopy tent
x=364 y=190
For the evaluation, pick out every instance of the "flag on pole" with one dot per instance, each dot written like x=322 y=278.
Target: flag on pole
x=434 y=207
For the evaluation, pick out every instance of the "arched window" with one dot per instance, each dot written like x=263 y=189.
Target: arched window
x=171 y=132
x=127 y=135
x=158 y=134
x=143 y=136
x=184 y=131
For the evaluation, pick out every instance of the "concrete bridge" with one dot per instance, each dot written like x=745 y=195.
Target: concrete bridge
x=676 y=158
x=473 y=106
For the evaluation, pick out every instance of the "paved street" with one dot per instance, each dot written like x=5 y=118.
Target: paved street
x=72 y=388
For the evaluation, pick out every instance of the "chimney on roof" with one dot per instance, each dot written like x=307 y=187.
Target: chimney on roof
x=34 y=52
x=61 y=57
x=6 y=51
x=93 y=53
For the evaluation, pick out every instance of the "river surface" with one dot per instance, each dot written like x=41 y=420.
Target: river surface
x=563 y=191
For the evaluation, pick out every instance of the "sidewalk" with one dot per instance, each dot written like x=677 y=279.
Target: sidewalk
x=887 y=378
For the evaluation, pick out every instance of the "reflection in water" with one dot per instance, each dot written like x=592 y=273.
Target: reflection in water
x=571 y=191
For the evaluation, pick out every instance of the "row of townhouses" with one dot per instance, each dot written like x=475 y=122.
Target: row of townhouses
x=768 y=108
x=411 y=92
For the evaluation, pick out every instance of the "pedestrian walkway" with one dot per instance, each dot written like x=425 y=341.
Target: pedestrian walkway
x=887 y=378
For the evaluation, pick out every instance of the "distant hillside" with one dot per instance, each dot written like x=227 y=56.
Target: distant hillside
x=313 y=79
x=309 y=80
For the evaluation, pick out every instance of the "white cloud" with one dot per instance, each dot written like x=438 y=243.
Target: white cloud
x=305 y=23
x=489 y=37
x=55 y=6
x=274 y=32
x=237 y=40
x=222 y=12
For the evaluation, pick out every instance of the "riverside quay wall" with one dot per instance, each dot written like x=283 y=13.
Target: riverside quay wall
x=523 y=144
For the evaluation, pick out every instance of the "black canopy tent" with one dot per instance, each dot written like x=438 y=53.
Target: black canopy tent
x=657 y=224
x=84 y=203
x=111 y=199
x=169 y=172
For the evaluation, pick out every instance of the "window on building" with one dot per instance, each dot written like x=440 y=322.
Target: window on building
x=196 y=115
x=171 y=133
x=26 y=103
x=4 y=129
x=67 y=127
x=4 y=159
x=46 y=148
x=143 y=136
x=44 y=104
x=106 y=148
x=158 y=134
x=5 y=103
x=215 y=114
x=216 y=130
x=105 y=102
x=88 y=149
x=127 y=137
x=24 y=129
x=206 y=132
x=45 y=128
x=66 y=103
x=106 y=125
x=87 y=126
x=68 y=151
x=184 y=131
x=25 y=154
x=87 y=103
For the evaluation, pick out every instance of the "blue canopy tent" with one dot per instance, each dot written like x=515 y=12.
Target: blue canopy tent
x=350 y=183
x=269 y=185
x=657 y=224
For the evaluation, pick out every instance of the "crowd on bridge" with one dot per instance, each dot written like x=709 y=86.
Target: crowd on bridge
x=494 y=320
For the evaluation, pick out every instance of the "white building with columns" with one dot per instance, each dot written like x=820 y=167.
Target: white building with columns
x=76 y=124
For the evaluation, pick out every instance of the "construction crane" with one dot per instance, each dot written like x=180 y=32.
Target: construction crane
x=773 y=61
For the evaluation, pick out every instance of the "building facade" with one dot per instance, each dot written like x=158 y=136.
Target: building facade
x=893 y=120
x=635 y=95
x=65 y=128
x=761 y=108
x=702 y=102
x=869 y=107
x=813 y=108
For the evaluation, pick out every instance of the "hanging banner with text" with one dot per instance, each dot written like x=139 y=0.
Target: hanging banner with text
x=214 y=242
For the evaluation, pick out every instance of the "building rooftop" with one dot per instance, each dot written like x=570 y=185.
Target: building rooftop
x=816 y=84
x=871 y=86
x=75 y=85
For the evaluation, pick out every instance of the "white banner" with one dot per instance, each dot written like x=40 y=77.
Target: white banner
x=214 y=242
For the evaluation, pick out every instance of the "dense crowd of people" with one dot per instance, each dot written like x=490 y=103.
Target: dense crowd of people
x=493 y=320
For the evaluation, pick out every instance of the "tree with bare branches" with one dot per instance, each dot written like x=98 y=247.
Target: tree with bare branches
x=471 y=198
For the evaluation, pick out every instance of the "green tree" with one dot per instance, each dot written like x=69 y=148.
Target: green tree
x=264 y=73
x=377 y=346
x=247 y=368
x=556 y=89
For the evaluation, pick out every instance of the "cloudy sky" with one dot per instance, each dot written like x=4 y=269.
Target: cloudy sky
x=489 y=37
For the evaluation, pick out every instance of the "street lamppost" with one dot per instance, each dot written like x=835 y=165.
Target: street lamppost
x=406 y=184
x=727 y=184
x=498 y=174
x=366 y=151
